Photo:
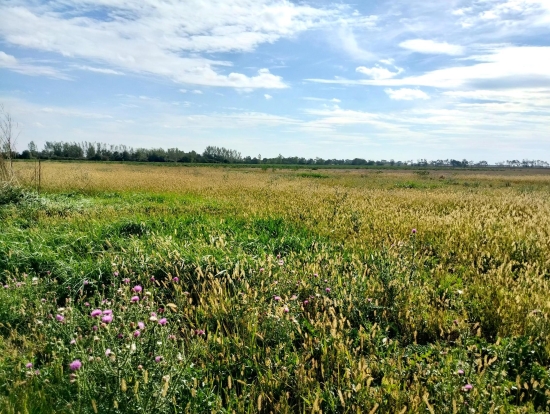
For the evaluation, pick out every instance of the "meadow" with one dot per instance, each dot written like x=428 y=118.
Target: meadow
x=155 y=289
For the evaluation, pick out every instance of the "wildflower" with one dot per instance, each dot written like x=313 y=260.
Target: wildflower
x=107 y=312
x=261 y=269
x=327 y=290
x=413 y=231
x=281 y=262
x=86 y=282
x=73 y=341
x=6 y=286
x=315 y=274
x=107 y=319
x=137 y=288
x=158 y=359
x=277 y=298
x=460 y=372
x=75 y=365
x=115 y=273
x=37 y=372
x=141 y=325
x=94 y=328
x=172 y=337
x=306 y=302
x=152 y=278
x=137 y=333
x=468 y=387
x=199 y=332
x=59 y=317
x=29 y=365
x=163 y=321
x=126 y=280
x=135 y=299
x=95 y=313
x=176 y=279
x=294 y=297
x=286 y=310
x=87 y=304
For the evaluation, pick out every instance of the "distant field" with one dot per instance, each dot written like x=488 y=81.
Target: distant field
x=274 y=290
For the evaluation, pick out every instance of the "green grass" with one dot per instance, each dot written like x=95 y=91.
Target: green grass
x=275 y=339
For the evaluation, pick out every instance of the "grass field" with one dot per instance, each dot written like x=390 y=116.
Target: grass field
x=247 y=290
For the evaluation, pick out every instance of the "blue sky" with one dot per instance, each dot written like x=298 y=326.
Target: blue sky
x=371 y=79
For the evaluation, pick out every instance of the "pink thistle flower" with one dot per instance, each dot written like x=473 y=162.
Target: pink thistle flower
x=107 y=319
x=73 y=341
x=94 y=328
x=158 y=359
x=135 y=299
x=176 y=279
x=306 y=302
x=87 y=304
x=172 y=337
x=276 y=298
x=261 y=269
x=199 y=332
x=327 y=290
x=115 y=273
x=413 y=231
x=163 y=321
x=107 y=352
x=137 y=288
x=75 y=365
x=60 y=318
x=460 y=372
x=107 y=312
x=137 y=333
x=126 y=280
x=141 y=325
x=95 y=313
x=86 y=282
x=286 y=310
x=315 y=274
x=29 y=365
x=468 y=387
x=152 y=278
x=6 y=286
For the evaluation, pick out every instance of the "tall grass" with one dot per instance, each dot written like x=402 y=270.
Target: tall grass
x=279 y=293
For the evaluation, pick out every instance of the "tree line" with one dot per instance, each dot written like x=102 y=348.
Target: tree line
x=95 y=151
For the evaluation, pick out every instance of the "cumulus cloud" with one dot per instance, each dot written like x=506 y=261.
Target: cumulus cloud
x=378 y=72
x=432 y=47
x=406 y=94
x=268 y=97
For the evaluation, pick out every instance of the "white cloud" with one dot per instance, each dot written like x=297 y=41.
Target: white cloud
x=405 y=94
x=197 y=92
x=12 y=63
x=432 y=47
x=163 y=38
x=378 y=72
x=268 y=97
x=99 y=70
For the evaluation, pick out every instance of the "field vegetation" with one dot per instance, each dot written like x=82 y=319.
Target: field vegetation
x=148 y=289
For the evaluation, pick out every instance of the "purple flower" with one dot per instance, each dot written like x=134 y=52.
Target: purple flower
x=172 y=337
x=327 y=290
x=158 y=359
x=86 y=282
x=137 y=288
x=163 y=321
x=413 y=231
x=135 y=299
x=137 y=333
x=141 y=325
x=286 y=310
x=60 y=318
x=95 y=313
x=87 y=304
x=73 y=341
x=460 y=372
x=75 y=365
x=126 y=280
x=107 y=312
x=29 y=365
x=152 y=279
x=276 y=298
x=116 y=273
x=199 y=332
x=107 y=352
x=306 y=302
x=6 y=286
x=176 y=279
x=107 y=319
x=468 y=387
x=261 y=269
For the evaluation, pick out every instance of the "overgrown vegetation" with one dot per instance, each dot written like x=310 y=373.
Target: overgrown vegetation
x=219 y=290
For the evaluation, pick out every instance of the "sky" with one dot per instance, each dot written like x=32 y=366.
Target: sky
x=393 y=79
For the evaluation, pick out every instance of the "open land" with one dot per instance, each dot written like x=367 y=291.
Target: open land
x=274 y=290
